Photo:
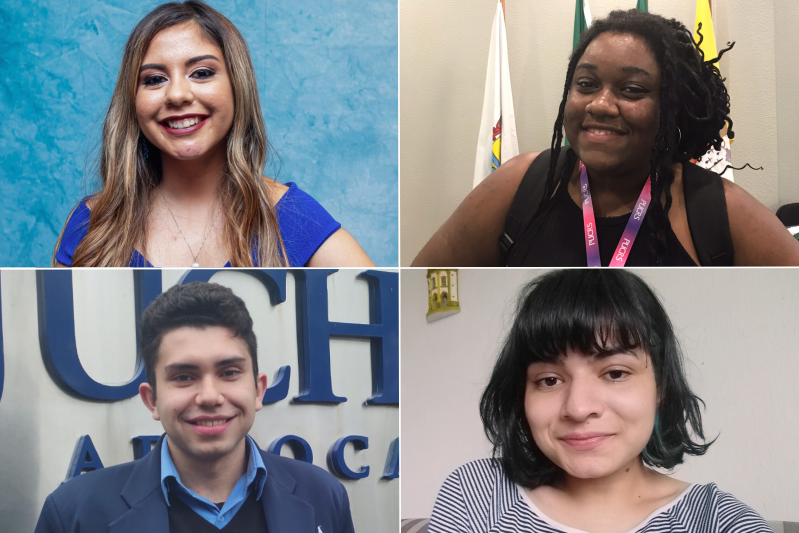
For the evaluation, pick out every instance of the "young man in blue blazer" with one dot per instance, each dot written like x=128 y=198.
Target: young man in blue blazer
x=205 y=474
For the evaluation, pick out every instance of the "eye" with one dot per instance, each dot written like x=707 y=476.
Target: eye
x=585 y=84
x=617 y=375
x=206 y=73
x=231 y=372
x=153 y=80
x=547 y=382
x=634 y=91
x=182 y=378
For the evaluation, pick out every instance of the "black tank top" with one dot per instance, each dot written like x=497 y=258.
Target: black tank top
x=556 y=237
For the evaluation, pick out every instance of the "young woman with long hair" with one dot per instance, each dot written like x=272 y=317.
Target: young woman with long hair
x=183 y=150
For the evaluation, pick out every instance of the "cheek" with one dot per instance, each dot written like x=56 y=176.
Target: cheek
x=539 y=413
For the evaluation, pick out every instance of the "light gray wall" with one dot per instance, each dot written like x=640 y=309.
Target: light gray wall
x=443 y=55
x=41 y=424
x=738 y=330
x=786 y=25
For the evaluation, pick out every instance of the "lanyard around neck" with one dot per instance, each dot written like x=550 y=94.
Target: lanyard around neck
x=630 y=231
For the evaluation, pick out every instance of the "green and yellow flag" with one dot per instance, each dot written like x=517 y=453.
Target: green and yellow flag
x=703 y=15
x=582 y=20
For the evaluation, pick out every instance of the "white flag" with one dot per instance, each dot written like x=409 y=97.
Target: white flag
x=718 y=160
x=496 y=142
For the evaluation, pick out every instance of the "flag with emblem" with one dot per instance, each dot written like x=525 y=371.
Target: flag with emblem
x=497 y=141
x=715 y=160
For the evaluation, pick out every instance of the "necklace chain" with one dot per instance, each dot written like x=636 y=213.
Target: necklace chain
x=206 y=230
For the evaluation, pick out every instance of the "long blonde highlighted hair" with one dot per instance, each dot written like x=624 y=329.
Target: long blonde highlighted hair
x=119 y=212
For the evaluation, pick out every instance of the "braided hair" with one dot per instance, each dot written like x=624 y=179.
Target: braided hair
x=693 y=98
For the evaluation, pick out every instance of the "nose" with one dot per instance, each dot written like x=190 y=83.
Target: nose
x=208 y=393
x=603 y=104
x=178 y=92
x=583 y=400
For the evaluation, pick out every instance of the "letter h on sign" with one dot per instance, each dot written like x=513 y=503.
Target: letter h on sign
x=314 y=330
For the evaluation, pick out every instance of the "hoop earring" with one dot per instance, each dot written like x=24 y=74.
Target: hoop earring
x=144 y=148
x=679 y=136
x=657 y=425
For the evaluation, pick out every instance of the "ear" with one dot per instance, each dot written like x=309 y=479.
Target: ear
x=260 y=390
x=147 y=395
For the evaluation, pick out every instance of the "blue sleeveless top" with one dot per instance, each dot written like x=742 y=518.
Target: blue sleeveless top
x=303 y=222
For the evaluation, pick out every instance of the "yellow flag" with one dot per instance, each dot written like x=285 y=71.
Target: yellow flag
x=703 y=15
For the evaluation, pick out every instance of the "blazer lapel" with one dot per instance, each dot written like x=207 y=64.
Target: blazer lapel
x=142 y=492
x=284 y=512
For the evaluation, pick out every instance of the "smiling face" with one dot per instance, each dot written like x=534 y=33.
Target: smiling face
x=184 y=98
x=207 y=395
x=592 y=416
x=612 y=112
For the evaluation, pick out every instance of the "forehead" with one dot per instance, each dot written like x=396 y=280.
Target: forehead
x=612 y=52
x=200 y=347
x=180 y=42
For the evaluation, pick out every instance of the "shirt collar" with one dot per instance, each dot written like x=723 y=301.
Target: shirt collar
x=256 y=469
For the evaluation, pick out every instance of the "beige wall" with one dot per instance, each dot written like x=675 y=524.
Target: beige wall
x=738 y=332
x=443 y=55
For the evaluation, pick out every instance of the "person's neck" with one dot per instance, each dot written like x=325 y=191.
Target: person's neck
x=211 y=479
x=626 y=485
x=193 y=183
x=616 y=193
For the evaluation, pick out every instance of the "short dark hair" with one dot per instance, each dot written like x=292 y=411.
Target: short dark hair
x=693 y=100
x=194 y=305
x=594 y=312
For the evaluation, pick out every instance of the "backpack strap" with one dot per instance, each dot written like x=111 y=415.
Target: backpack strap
x=706 y=209
x=528 y=197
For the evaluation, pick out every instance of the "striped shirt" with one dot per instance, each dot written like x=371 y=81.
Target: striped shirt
x=479 y=498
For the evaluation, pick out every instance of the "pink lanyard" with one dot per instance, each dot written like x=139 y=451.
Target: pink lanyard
x=630 y=231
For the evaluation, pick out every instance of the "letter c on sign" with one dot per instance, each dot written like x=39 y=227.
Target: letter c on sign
x=335 y=457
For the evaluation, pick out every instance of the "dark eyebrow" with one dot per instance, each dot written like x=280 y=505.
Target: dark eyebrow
x=626 y=70
x=188 y=63
x=605 y=355
x=176 y=367
x=635 y=70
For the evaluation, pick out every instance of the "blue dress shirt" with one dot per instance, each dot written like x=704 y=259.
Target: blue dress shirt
x=253 y=479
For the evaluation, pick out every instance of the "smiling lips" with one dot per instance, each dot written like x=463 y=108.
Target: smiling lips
x=183 y=125
x=586 y=441
x=601 y=133
x=210 y=426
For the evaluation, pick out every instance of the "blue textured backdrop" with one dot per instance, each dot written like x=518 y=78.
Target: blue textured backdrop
x=327 y=76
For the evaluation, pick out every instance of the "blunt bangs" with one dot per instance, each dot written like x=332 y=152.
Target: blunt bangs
x=595 y=312
x=588 y=312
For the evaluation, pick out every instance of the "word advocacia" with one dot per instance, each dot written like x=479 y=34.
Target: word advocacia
x=86 y=458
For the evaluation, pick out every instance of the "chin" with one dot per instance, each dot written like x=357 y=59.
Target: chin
x=590 y=470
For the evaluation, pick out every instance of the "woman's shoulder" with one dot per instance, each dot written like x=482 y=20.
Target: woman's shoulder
x=481 y=474
x=710 y=505
x=75 y=230
x=304 y=224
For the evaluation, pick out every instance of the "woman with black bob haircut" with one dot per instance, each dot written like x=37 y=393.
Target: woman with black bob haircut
x=587 y=397
x=639 y=102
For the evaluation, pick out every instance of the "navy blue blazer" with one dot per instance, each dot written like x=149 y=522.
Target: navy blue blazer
x=298 y=497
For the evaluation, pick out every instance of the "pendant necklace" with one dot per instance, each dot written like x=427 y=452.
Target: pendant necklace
x=207 y=231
